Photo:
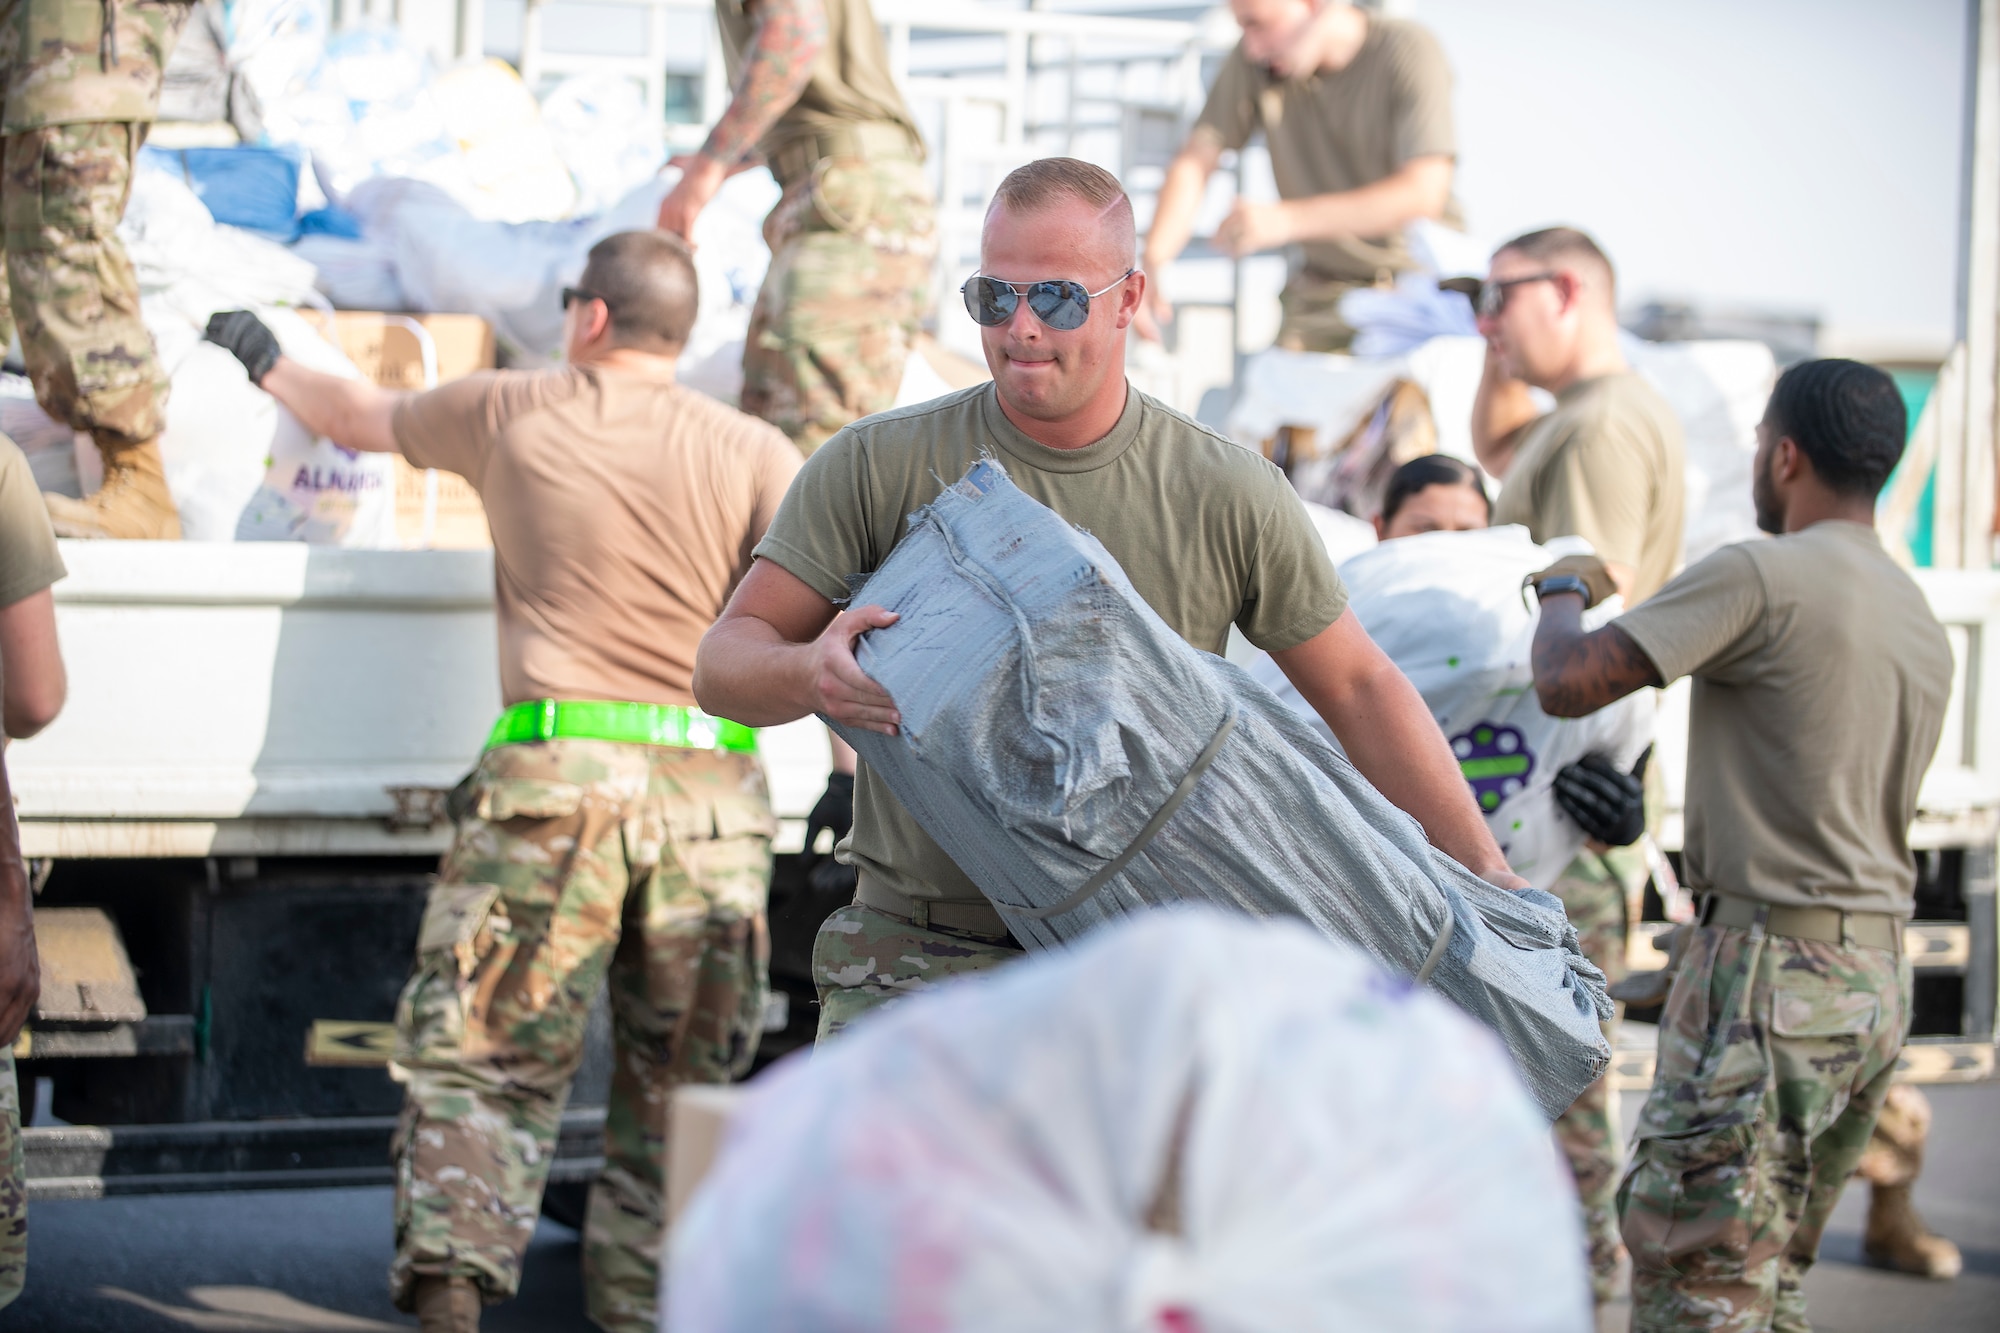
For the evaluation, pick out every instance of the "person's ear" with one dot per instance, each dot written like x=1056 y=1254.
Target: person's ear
x=1569 y=288
x=1381 y=529
x=599 y=327
x=1131 y=294
x=1788 y=461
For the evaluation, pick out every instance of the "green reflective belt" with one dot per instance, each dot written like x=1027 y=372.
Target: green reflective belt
x=632 y=724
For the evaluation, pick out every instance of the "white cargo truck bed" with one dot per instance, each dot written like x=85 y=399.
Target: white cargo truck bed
x=280 y=699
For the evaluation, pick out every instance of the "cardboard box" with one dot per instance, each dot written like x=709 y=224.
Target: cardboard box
x=698 y=1119
x=382 y=346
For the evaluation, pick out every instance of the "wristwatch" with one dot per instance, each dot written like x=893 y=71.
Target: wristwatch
x=1562 y=583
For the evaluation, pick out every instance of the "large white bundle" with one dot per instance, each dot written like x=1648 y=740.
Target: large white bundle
x=1190 y=1121
x=1080 y=761
x=1447 y=608
x=242 y=468
x=513 y=274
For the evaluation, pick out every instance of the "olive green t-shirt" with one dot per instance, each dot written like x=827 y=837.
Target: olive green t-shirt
x=1606 y=466
x=29 y=561
x=850 y=84
x=1820 y=683
x=1338 y=131
x=1209 y=533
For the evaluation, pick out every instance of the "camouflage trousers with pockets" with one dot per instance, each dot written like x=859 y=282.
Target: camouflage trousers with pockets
x=1775 y=1057
x=1593 y=891
x=862 y=959
x=13 y=1187
x=70 y=289
x=852 y=244
x=578 y=861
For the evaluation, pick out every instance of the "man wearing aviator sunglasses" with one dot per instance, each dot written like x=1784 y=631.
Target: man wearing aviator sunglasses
x=1210 y=534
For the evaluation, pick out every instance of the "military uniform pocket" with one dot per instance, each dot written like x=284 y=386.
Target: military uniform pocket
x=499 y=799
x=453 y=918
x=456 y=937
x=1831 y=1010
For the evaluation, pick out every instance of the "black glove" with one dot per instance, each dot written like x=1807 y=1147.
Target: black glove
x=244 y=337
x=835 y=811
x=1608 y=805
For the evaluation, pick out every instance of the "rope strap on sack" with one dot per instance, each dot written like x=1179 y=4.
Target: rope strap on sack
x=1109 y=871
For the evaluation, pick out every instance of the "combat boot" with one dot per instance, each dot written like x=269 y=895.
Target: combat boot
x=1897 y=1237
x=446 y=1304
x=133 y=503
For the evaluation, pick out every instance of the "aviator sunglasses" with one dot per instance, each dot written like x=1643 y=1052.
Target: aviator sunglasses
x=1058 y=303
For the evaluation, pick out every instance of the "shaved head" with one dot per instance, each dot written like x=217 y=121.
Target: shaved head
x=647 y=281
x=1053 y=181
x=1568 y=247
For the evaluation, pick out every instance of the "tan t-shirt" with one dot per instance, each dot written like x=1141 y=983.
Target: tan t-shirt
x=1209 y=533
x=850 y=83
x=1820 y=682
x=1605 y=466
x=29 y=561
x=1334 y=132
x=623 y=510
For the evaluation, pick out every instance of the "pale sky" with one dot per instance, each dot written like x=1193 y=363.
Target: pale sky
x=1795 y=154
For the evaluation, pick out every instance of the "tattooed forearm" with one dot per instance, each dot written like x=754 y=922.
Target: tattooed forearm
x=1578 y=673
x=790 y=36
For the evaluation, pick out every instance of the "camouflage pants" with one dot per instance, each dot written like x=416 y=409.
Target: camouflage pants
x=70 y=287
x=862 y=959
x=1593 y=893
x=1775 y=1057
x=852 y=245
x=1895 y=1153
x=13 y=1187
x=579 y=860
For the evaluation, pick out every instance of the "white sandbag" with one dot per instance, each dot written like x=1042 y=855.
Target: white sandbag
x=1718 y=389
x=353 y=274
x=242 y=468
x=1080 y=762
x=1446 y=607
x=1405 y=317
x=513 y=274
x=1188 y=1121
x=1342 y=534
x=188 y=266
x=602 y=132
x=510 y=156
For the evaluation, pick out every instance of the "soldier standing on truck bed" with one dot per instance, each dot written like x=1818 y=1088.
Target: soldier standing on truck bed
x=1211 y=535
x=82 y=87
x=853 y=237
x=1820 y=684
x=1605 y=465
x=32 y=689
x=1356 y=112
x=611 y=827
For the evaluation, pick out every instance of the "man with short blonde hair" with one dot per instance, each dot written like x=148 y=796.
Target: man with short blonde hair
x=1209 y=533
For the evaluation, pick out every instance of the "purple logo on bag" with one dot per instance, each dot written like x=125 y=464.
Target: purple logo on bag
x=1495 y=760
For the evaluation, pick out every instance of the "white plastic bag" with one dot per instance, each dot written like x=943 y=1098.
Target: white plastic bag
x=1447 y=608
x=513 y=274
x=1189 y=1120
x=242 y=468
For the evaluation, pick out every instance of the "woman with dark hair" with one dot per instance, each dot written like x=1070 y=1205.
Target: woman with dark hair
x=1433 y=493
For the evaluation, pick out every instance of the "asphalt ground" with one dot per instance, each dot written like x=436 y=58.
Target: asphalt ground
x=313 y=1261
